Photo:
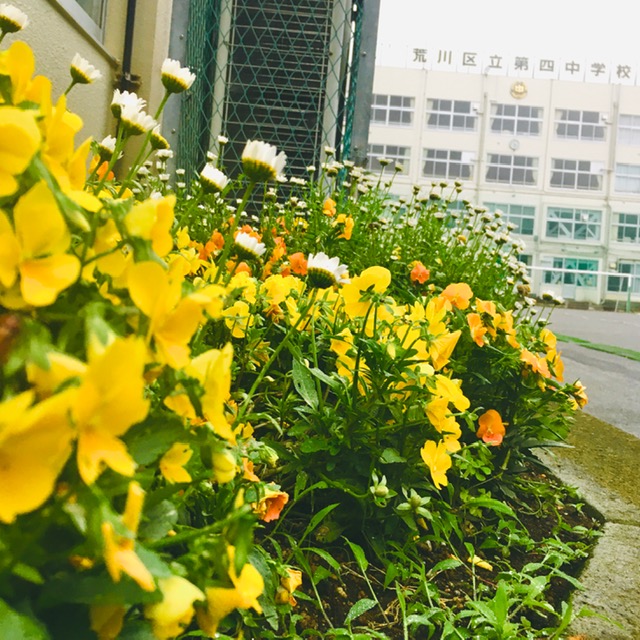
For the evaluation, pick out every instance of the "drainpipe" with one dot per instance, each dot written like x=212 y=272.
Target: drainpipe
x=127 y=80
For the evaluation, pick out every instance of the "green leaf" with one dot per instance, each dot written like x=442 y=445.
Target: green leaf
x=390 y=456
x=304 y=384
x=159 y=520
x=360 y=607
x=14 y=626
x=137 y=630
x=326 y=378
x=358 y=552
x=317 y=519
x=490 y=503
x=30 y=574
x=150 y=440
x=445 y=565
x=326 y=556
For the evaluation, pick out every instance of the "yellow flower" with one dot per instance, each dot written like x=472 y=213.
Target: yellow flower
x=173 y=461
x=452 y=392
x=108 y=402
x=271 y=504
x=172 y=319
x=18 y=63
x=221 y=601
x=441 y=348
x=107 y=620
x=224 y=466
x=238 y=318
x=213 y=369
x=36 y=251
x=19 y=141
x=478 y=330
x=172 y=615
x=436 y=457
x=35 y=443
x=288 y=585
x=62 y=367
x=377 y=279
x=152 y=220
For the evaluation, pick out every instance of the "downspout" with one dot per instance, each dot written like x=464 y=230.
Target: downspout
x=128 y=81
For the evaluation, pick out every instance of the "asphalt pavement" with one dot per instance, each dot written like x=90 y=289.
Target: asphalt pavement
x=612 y=381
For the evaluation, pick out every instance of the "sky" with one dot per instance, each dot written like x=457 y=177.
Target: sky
x=589 y=30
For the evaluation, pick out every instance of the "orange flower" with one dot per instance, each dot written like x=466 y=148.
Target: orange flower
x=539 y=365
x=477 y=328
x=250 y=231
x=458 y=294
x=279 y=250
x=271 y=504
x=329 y=208
x=419 y=273
x=491 y=428
x=298 y=263
x=287 y=586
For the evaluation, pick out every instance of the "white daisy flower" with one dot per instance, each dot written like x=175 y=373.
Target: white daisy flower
x=261 y=162
x=82 y=72
x=164 y=154
x=158 y=141
x=122 y=99
x=12 y=19
x=135 y=121
x=248 y=246
x=323 y=271
x=106 y=147
x=213 y=179
x=175 y=78
x=223 y=140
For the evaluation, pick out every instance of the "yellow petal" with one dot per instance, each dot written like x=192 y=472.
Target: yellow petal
x=97 y=450
x=174 y=612
x=44 y=278
x=107 y=620
x=19 y=140
x=173 y=461
x=9 y=252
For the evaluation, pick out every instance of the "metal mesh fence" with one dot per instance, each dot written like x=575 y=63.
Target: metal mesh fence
x=281 y=71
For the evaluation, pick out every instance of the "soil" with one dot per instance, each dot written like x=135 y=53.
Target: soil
x=339 y=593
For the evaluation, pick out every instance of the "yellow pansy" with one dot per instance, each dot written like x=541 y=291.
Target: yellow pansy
x=107 y=620
x=19 y=64
x=36 y=250
x=436 y=457
x=246 y=284
x=435 y=314
x=35 y=443
x=172 y=319
x=152 y=220
x=238 y=318
x=114 y=262
x=451 y=391
x=224 y=466
x=19 y=141
x=221 y=601
x=62 y=367
x=172 y=615
x=441 y=348
x=108 y=402
x=213 y=369
x=173 y=461
x=376 y=279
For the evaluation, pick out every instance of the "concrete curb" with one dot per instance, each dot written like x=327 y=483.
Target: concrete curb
x=601 y=466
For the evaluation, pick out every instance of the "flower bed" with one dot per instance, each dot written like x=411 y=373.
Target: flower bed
x=205 y=385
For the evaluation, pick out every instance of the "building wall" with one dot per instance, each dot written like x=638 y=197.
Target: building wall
x=482 y=143
x=55 y=36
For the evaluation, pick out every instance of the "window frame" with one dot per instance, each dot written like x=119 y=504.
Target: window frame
x=633 y=129
x=465 y=160
x=630 y=176
x=85 y=20
x=623 y=283
x=512 y=167
x=437 y=109
x=623 y=225
x=568 y=278
x=572 y=221
x=395 y=158
x=516 y=119
x=581 y=126
x=387 y=108
x=515 y=217
x=577 y=172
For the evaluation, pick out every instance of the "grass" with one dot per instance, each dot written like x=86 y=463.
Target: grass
x=616 y=351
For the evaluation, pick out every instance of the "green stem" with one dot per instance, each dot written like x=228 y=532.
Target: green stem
x=120 y=139
x=228 y=243
x=73 y=83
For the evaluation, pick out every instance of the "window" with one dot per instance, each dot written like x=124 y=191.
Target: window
x=577 y=174
x=522 y=216
x=526 y=259
x=573 y=224
x=616 y=283
x=629 y=130
x=89 y=14
x=392 y=110
x=395 y=154
x=628 y=178
x=442 y=163
x=517 y=119
x=573 y=264
x=628 y=227
x=452 y=115
x=512 y=169
x=579 y=125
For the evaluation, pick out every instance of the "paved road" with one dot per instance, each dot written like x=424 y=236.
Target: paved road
x=613 y=382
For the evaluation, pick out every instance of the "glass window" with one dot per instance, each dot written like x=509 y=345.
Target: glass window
x=452 y=115
x=628 y=227
x=512 y=169
x=522 y=216
x=615 y=283
x=397 y=157
x=89 y=14
x=392 y=110
x=567 y=277
x=629 y=129
x=516 y=119
x=573 y=224
x=579 y=125
x=576 y=174
x=628 y=178
x=443 y=163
